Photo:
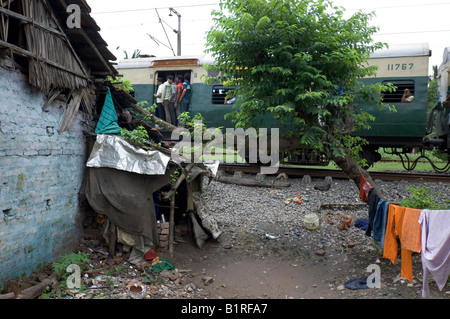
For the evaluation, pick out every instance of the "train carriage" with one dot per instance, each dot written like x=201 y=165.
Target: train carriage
x=443 y=108
x=405 y=66
x=209 y=100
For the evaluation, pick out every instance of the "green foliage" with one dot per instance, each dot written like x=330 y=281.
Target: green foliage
x=440 y=155
x=64 y=261
x=298 y=61
x=121 y=83
x=174 y=177
x=139 y=134
x=432 y=95
x=421 y=198
x=136 y=54
x=194 y=125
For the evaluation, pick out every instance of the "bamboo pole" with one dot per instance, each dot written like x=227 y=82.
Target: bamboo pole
x=177 y=184
x=172 y=224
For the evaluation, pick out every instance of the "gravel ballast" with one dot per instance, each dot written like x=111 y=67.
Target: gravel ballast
x=273 y=213
x=267 y=223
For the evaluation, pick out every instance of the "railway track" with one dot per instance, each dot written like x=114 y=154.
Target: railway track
x=318 y=172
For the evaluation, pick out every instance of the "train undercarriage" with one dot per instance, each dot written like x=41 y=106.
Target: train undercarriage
x=409 y=151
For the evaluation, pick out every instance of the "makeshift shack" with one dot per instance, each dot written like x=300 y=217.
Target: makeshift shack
x=137 y=189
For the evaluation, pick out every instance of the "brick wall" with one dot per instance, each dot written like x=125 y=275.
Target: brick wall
x=41 y=173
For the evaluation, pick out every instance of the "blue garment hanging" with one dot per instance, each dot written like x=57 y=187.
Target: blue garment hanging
x=380 y=221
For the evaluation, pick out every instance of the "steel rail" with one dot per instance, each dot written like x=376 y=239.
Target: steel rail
x=335 y=173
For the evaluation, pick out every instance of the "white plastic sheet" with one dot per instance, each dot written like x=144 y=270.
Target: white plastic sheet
x=115 y=152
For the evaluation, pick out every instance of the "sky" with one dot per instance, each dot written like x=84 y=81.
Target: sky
x=145 y=25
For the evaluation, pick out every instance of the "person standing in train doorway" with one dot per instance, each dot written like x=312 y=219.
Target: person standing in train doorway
x=179 y=82
x=173 y=97
x=185 y=94
x=158 y=96
x=166 y=96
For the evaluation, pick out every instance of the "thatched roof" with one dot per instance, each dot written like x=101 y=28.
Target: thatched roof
x=60 y=57
x=57 y=57
x=87 y=41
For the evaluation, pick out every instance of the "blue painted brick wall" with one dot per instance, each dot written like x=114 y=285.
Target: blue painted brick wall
x=41 y=173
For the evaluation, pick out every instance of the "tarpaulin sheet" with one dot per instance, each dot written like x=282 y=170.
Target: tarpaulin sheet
x=125 y=198
x=115 y=152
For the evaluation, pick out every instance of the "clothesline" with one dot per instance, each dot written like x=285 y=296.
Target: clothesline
x=421 y=231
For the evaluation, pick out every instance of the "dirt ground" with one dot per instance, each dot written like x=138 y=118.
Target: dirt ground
x=247 y=266
x=239 y=275
x=259 y=268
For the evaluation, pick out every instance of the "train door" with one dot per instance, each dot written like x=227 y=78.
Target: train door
x=163 y=74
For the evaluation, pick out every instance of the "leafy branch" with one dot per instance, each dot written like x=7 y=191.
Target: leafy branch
x=421 y=198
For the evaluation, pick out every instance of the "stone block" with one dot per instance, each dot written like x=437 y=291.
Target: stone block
x=164 y=225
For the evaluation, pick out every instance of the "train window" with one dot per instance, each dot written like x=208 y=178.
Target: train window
x=219 y=93
x=396 y=96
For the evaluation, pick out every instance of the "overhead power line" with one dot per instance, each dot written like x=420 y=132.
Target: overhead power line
x=411 y=32
x=148 y=9
x=216 y=3
x=403 y=6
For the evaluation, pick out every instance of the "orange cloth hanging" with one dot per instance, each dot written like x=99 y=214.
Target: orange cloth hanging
x=411 y=237
x=394 y=230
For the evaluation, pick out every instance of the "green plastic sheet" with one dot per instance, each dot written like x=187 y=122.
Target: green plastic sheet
x=107 y=123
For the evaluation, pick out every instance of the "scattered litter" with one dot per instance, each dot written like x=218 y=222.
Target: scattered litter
x=297 y=199
x=311 y=221
x=345 y=224
x=269 y=236
x=150 y=254
x=159 y=264
x=345 y=220
x=354 y=284
x=207 y=280
x=136 y=290
x=362 y=223
x=101 y=251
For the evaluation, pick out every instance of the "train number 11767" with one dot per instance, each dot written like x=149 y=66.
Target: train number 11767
x=400 y=66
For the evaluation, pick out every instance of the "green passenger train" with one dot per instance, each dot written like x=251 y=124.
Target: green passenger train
x=405 y=66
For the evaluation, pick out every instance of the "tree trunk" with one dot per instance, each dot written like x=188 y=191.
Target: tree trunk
x=154 y=118
x=353 y=170
x=35 y=291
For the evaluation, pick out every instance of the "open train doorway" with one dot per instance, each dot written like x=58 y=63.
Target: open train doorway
x=163 y=74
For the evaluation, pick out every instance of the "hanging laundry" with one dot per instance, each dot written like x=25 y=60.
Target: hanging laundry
x=411 y=237
x=372 y=201
x=364 y=187
x=394 y=226
x=435 y=247
x=380 y=222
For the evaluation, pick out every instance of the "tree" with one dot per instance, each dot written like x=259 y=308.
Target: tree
x=136 y=54
x=433 y=90
x=299 y=61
